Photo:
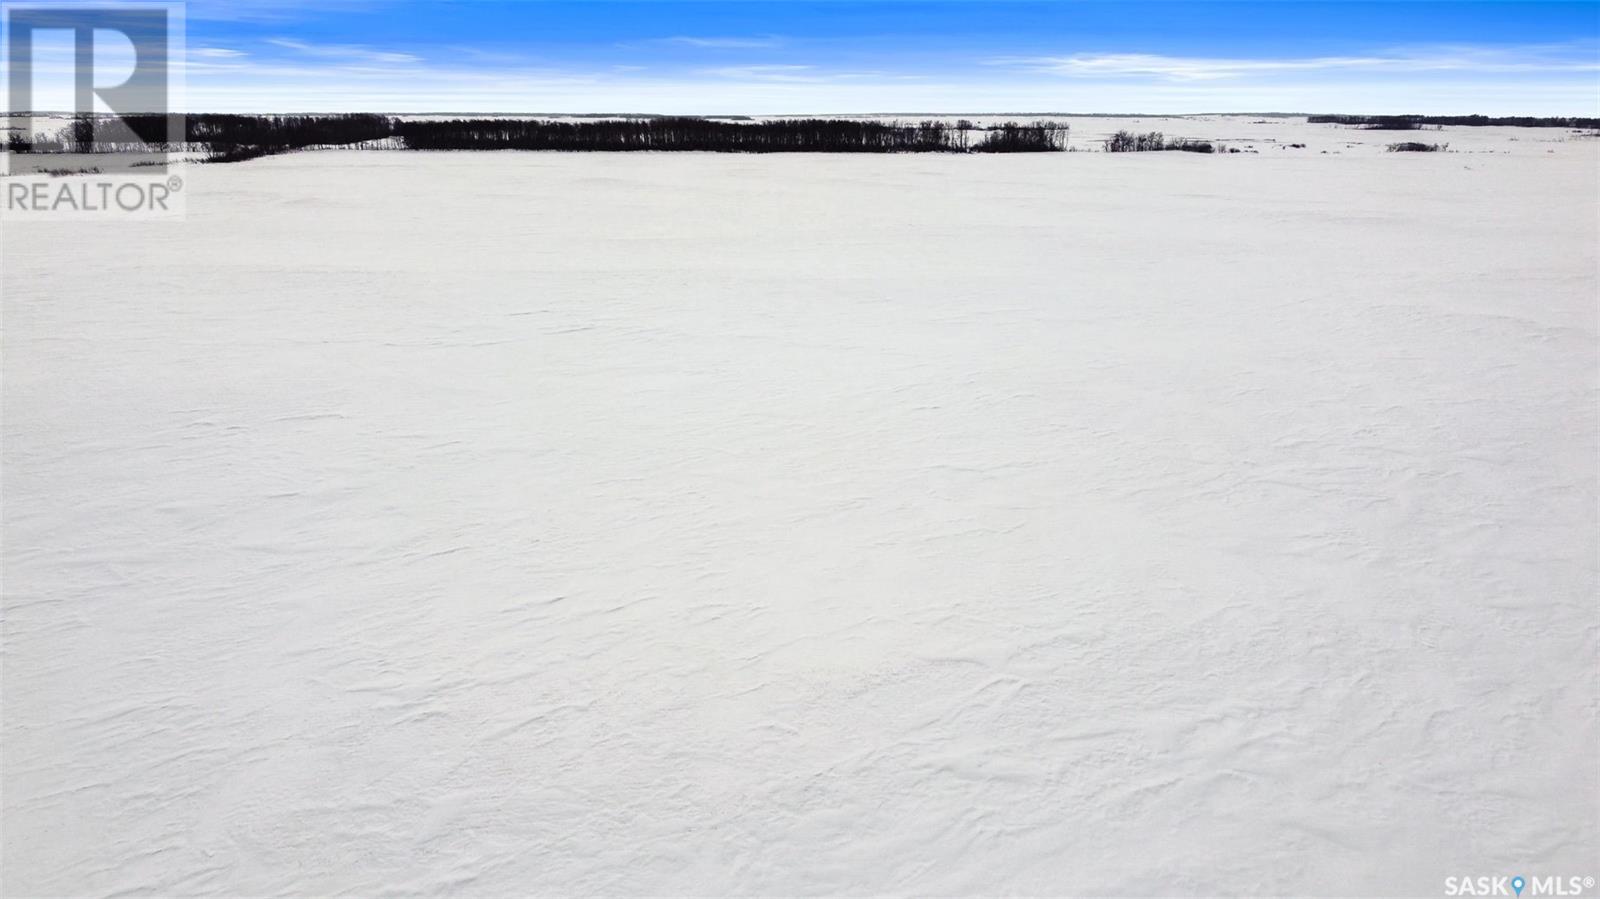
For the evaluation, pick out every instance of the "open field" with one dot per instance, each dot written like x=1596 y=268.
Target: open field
x=513 y=523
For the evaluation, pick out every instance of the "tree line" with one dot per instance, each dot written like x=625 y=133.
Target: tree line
x=1133 y=142
x=214 y=133
x=227 y=138
x=1413 y=122
x=689 y=133
x=1010 y=137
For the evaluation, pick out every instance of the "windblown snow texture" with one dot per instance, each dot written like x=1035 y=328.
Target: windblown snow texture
x=514 y=524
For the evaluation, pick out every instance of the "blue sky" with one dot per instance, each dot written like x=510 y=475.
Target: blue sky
x=774 y=56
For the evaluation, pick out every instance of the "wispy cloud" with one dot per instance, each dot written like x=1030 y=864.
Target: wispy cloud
x=217 y=53
x=478 y=55
x=1192 y=68
x=727 y=43
x=763 y=73
x=347 y=52
x=792 y=74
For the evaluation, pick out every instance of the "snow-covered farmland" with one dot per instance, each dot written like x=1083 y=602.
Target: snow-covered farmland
x=509 y=524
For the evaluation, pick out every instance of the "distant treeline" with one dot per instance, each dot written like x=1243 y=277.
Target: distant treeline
x=220 y=135
x=1412 y=122
x=1011 y=137
x=685 y=133
x=230 y=138
x=1131 y=142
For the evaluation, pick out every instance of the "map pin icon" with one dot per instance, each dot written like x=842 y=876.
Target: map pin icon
x=1517 y=883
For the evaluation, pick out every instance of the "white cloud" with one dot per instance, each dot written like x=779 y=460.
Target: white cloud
x=486 y=57
x=1554 y=81
x=763 y=73
x=1191 y=68
x=350 y=52
x=217 y=53
x=727 y=43
x=434 y=91
x=792 y=74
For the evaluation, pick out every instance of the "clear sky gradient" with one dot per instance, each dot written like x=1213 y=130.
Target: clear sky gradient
x=843 y=56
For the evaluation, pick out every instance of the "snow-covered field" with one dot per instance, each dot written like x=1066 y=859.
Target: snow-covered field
x=505 y=524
